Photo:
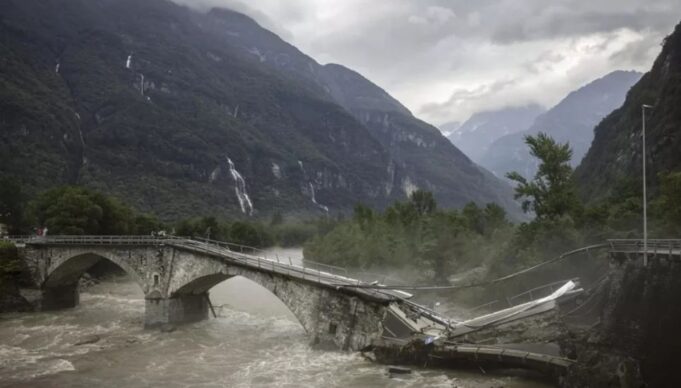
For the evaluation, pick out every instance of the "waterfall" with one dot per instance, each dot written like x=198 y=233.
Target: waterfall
x=314 y=199
x=300 y=164
x=214 y=174
x=276 y=170
x=83 y=161
x=56 y=67
x=313 y=195
x=240 y=189
x=128 y=61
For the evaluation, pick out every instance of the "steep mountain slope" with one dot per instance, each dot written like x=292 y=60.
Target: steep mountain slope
x=615 y=153
x=476 y=134
x=571 y=120
x=420 y=157
x=449 y=128
x=183 y=113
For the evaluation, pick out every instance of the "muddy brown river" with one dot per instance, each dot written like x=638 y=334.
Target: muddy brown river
x=254 y=342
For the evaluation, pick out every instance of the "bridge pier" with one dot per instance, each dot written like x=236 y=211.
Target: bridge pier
x=176 y=310
x=60 y=297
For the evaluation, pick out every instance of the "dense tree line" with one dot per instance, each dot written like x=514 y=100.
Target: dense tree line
x=71 y=210
x=414 y=233
x=437 y=243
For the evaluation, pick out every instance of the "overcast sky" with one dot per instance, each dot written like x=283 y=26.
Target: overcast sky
x=447 y=59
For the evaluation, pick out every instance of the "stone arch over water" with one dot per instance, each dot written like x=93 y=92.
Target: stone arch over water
x=175 y=281
x=60 y=284
x=298 y=300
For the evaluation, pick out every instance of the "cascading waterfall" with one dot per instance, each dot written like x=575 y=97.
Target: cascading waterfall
x=313 y=195
x=314 y=199
x=56 y=67
x=240 y=189
x=128 y=62
x=300 y=164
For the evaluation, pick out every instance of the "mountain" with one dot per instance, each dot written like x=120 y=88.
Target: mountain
x=615 y=153
x=449 y=128
x=571 y=120
x=183 y=113
x=477 y=133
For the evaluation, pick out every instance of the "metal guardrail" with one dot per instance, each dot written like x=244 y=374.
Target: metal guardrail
x=500 y=353
x=655 y=246
x=536 y=292
x=94 y=240
x=526 y=296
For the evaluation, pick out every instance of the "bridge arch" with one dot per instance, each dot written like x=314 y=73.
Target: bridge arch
x=175 y=275
x=300 y=299
x=60 y=284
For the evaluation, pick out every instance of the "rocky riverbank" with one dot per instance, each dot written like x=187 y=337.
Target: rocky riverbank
x=12 y=275
x=11 y=299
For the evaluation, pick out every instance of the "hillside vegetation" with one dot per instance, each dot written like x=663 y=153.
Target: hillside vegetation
x=184 y=113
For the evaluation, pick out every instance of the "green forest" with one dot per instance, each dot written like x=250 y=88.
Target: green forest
x=71 y=210
x=433 y=243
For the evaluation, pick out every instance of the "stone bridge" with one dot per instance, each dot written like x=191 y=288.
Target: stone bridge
x=176 y=274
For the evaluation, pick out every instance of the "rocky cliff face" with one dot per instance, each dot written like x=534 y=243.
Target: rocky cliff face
x=183 y=113
x=615 y=153
x=631 y=338
x=571 y=120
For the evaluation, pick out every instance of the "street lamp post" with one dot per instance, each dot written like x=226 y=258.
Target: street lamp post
x=645 y=205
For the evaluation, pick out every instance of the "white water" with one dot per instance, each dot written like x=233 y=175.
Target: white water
x=300 y=164
x=254 y=342
x=314 y=199
x=240 y=189
x=128 y=61
x=276 y=170
x=313 y=194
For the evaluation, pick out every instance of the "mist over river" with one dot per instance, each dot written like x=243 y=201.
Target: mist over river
x=254 y=342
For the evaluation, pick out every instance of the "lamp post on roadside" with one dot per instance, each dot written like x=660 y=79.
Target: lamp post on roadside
x=645 y=205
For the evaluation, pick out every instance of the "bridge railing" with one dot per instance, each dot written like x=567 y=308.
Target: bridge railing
x=655 y=246
x=525 y=296
x=307 y=269
x=263 y=254
x=252 y=256
x=92 y=240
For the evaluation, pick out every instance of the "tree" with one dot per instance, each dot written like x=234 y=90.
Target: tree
x=495 y=216
x=68 y=210
x=77 y=210
x=10 y=264
x=551 y=194
x=474 y=216
x=245 y=234
x=12 y=203
x=423 y=202
x=667 y=207
x=363 y=215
